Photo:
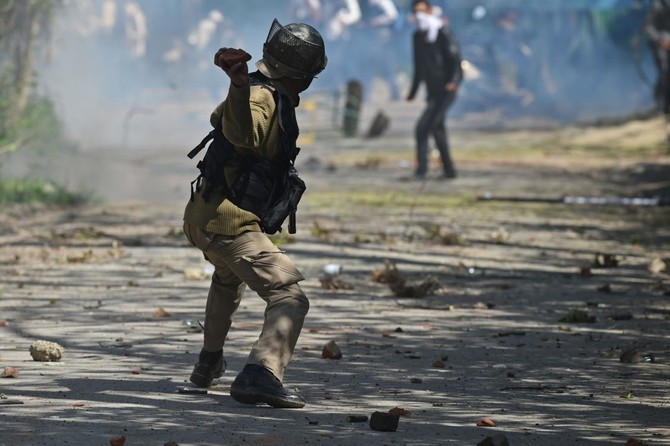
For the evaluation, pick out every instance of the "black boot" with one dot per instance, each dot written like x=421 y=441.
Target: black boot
x=256 y=384
x=210 y=365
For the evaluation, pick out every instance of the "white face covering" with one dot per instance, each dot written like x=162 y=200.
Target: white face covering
x=429 y=23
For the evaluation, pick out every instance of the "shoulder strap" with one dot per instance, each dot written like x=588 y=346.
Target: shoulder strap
x=285 y=114
x=204 y=142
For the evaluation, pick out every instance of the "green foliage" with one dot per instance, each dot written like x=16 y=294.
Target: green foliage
x=36 y=191
x=37 y=127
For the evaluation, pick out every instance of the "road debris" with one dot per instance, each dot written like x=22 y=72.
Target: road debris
x=331 y=351
x=495 y=440
x=9 y=372
x=577 y=317
x=384 y=421
x=46 y=351
x=398 y=283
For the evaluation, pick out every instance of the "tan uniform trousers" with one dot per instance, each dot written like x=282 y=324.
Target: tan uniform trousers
x=252 y=259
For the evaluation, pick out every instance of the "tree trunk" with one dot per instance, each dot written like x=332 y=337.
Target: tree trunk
x=19 y=36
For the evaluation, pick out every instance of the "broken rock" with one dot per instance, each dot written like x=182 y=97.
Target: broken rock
x=10 y=372
x=633 y=356
x=331 y=351
x=496 y=440
x=46 y=351
x=384 y=422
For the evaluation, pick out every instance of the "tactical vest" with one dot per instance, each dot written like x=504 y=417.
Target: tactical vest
x=270 y=189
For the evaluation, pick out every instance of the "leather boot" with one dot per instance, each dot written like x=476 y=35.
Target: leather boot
x=256 y=384
x=210 y=365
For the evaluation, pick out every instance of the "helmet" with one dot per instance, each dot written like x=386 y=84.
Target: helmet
x=295 y=50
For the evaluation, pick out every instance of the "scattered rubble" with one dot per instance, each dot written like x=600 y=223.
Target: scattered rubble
x=384 y=421
x=46 y=351
x=577 y=317
x=605 y=261
x=634 y=356
x=658 y=266
x=400 y=288
x=486 y=422
x=10 y=372
x=495 y=440
x=331 y=351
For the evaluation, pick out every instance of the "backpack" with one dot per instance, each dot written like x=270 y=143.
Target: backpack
x=270 y=189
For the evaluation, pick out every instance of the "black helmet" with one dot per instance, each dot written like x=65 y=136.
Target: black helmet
x=296 y=51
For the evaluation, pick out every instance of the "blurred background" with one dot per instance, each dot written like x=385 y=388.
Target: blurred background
x=120 y=81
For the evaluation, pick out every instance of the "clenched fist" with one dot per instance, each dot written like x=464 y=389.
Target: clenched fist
x=234 y=63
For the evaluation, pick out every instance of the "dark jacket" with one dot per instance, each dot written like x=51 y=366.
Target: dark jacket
x=658 y=22
x=436 y=63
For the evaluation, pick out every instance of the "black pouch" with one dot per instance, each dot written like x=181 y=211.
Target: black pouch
x=285 y=204
x=254 y=188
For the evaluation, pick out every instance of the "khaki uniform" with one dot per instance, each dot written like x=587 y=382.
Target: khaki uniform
x=231 y=239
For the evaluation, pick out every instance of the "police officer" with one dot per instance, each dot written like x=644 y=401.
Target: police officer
x=258 y=120
x=437 y=62
x=658 y=33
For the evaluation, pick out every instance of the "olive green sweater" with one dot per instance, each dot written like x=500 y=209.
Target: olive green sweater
x=249 y=123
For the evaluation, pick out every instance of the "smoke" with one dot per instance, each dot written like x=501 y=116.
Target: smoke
x=131 y=76
x=139 y=78
x=142 y=77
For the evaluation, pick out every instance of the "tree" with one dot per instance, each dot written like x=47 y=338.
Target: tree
x=23 y=25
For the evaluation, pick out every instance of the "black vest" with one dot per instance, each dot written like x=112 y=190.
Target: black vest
x=270 y=188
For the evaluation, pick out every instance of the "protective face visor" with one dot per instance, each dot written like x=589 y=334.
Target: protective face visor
x=296 y=51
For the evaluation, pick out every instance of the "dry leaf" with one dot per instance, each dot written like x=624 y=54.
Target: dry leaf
x=501 y=236
x=585 y=271
x=486 y=422
x=438 y=364
x=78 y=405
x=84 y=257
x=634 y=442
x=378 y=276
x=119 y=441
x=400 y=412
x=398 y=283
x=135 y=372
x=171 y=443
x=3 y=324
x=160 y=312
x=334 y=283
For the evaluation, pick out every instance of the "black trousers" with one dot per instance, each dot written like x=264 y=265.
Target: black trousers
x=432 y=122
x=662 y=87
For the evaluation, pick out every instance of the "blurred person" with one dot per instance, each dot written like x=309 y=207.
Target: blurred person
x=381 y=55
x=202 y=35
x=657 y=30
x=308 y=11
x=255 y=128
x=345 y=13
x=339 y=18
x=202 y=41
x=135 y=29
x=437 y=63
x=511 y=53
x=108 y=16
